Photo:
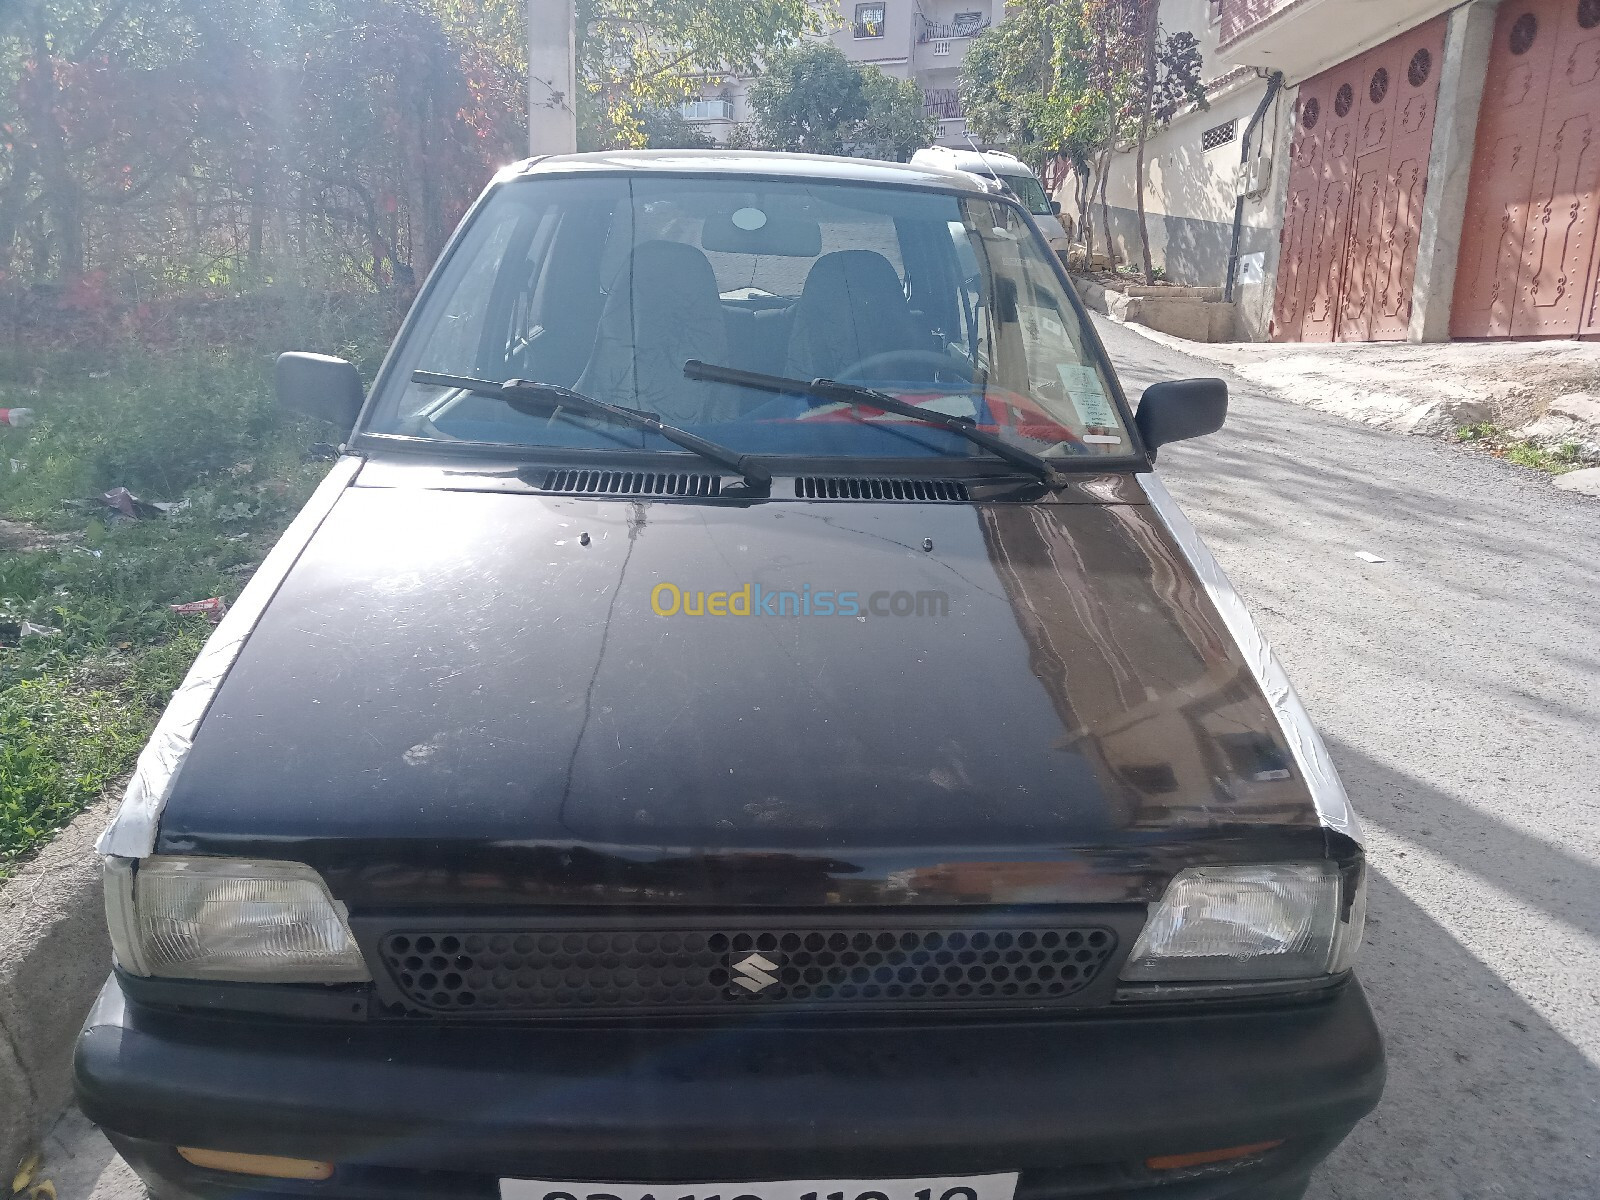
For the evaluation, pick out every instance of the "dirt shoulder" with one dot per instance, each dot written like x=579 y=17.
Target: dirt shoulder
x=1543 y=393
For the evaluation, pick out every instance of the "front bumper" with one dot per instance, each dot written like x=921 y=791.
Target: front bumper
x=411 y=1110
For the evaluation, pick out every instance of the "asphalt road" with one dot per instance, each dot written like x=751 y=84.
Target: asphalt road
x=1458 y=685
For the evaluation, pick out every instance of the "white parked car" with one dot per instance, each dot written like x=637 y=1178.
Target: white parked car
x=1014 y=174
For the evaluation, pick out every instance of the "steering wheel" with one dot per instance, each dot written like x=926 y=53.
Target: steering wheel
x=893 y=364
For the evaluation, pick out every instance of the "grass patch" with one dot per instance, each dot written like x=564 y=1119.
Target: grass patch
x=67 y=737
x=1554 y=460
x=196 y=426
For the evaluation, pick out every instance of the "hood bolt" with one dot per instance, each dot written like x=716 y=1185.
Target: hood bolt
x=927 y=543
x=583 y=539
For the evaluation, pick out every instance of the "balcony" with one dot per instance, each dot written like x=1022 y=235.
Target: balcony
x=708 y=110
x=966 y=25
x=1239 y=17
x=944 y=103
x=1302 y=38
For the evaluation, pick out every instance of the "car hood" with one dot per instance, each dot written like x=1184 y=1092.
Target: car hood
x=467 y=693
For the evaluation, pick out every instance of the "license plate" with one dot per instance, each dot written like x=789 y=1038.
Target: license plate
x=957 y=1187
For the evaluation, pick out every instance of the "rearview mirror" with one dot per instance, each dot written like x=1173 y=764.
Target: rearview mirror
x=320 y=385
x=1180 y=409
x=1055 y=207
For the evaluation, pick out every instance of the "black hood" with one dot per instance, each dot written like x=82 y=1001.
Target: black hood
x=468 y=695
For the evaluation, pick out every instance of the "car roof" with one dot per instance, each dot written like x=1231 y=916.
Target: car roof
x=764 y=164
x=970 y=160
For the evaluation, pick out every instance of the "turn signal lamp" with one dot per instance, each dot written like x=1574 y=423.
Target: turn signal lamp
x=1173 y=1162
x=271 y=1166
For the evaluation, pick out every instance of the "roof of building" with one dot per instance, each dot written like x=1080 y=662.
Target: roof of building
x=759 y=163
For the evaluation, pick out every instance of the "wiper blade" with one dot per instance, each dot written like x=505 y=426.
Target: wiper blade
x=858 y=396
x=542 y=399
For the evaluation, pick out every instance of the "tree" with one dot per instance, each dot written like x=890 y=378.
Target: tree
x=163 y=144
x=1078 y=80
x=1169 y=78
x=639 y=56
x=811 y=98
x=896 y=125
x=668 y=129
x=1027 y=84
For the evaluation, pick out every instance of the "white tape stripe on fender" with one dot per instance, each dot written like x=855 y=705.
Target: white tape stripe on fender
x=132 y=833
x=1327 y=792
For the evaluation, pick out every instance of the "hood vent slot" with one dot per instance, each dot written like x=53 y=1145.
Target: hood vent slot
x=632 y=483
x=849 y=487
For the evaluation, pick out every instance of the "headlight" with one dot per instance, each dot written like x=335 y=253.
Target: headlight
x=228 y=918
x=1276 y=921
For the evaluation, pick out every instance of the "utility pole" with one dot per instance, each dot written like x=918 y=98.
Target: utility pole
x=552 y=78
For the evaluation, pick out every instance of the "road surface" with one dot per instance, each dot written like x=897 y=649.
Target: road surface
x=1458 y=685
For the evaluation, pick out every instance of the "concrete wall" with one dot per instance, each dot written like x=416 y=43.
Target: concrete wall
x=1189 y=250
x=893 y=49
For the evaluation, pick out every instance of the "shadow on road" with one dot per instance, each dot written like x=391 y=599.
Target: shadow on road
x=1485 y=1098
x=1562 y=884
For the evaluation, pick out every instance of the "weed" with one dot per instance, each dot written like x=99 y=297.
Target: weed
x=197 y=427
x=1498 y=442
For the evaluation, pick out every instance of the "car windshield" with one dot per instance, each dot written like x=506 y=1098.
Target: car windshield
x=1031 y=192
x=609 y=284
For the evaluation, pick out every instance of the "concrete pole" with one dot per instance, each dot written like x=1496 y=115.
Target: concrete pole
x=1467 y=42
x=552 y=78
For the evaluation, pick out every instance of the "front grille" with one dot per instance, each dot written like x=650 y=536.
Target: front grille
x=708 y=969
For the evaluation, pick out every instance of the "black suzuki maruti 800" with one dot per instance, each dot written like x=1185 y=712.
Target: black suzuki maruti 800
x=741 y=721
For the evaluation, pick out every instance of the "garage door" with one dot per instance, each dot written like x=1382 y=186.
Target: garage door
x=1530 y=261
x=1359 y=168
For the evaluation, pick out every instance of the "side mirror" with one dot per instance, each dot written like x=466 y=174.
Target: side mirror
x=1055 y=207
x=320 y=386
x=1180 y=409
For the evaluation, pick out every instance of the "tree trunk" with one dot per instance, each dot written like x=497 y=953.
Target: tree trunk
x=13 y=197
x=1149 y=87
x=62 y=194
x=1138 y=191
x=1086 y=214
x=1105 y=208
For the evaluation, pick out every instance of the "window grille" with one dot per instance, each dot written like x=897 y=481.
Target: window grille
x=1218 y=135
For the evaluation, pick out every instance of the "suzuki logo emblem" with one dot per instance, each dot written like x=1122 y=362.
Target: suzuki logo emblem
x=751 y=974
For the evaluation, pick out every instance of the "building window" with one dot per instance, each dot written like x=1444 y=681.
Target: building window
x=869 y=20
x=718 y=109
x=967 y=23
x=1214 y=11
x=1218 y=135
x=941 y=47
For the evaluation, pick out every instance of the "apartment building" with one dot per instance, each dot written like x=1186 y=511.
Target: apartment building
x=923 y=40
x=1416 y=170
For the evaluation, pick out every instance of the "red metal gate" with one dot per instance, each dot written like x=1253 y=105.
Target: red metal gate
x=1360 y=166
x=1530 y=260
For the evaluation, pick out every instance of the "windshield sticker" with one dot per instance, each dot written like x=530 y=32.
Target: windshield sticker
x=1103 y=439
x=1087 y=395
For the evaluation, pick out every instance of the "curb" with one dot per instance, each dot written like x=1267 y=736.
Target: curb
x=54 y=957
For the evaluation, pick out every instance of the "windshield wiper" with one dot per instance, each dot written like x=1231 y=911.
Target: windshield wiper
x=859 y=396
x=543 y=399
